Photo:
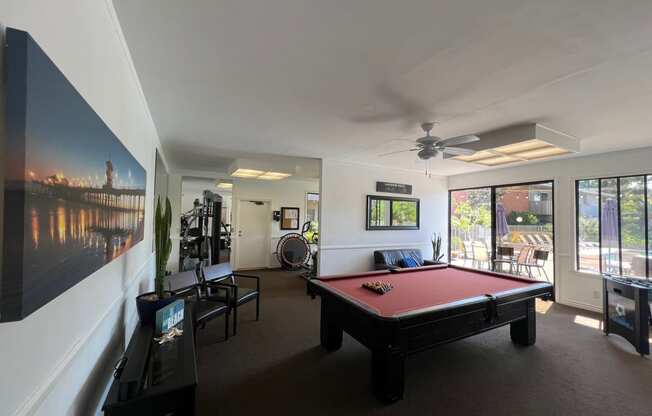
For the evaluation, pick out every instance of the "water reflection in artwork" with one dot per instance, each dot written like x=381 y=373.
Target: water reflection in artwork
x=74 y=195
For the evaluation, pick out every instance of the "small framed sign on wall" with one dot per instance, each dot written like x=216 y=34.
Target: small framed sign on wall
x=394 y=188
x=289 y=218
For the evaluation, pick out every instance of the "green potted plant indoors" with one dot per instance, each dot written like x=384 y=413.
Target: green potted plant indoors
x=437 y=249
x=148 y=303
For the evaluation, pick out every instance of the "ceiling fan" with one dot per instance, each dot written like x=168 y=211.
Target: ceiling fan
x=429 y=146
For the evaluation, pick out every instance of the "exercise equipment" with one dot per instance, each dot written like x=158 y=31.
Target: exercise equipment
x=294 y=251
x=200 y=233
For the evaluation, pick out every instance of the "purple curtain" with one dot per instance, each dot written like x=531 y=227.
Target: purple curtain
x=609 y=222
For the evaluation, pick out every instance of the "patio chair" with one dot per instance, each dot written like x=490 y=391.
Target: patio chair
x=504 y=255
x=538 y=261
x=523 y=260
x=468 y=251
x=480 y=255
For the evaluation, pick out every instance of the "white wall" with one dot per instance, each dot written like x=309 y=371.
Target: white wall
x=345 y=245
x=174 y=195
x=573 y=288
x=58 y=360
x=283 y=193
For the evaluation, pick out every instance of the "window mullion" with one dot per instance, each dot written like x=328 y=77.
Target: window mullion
x=647 y=228
x=600 y=225
x=620 y=231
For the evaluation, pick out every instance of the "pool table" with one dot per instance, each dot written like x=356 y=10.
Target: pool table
x=427 y=306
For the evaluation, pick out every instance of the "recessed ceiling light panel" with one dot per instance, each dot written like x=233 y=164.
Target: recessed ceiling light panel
x=273 y=176
x=247 y=173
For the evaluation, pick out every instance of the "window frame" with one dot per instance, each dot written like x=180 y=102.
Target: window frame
x=391 y=199
x=647 y=178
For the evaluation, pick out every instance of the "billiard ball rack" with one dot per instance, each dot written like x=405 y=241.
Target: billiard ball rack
x=626 y=310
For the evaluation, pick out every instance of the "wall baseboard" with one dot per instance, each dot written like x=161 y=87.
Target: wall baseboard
x=580 y=305
x=40 y=393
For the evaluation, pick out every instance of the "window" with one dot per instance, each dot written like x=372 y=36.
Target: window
x=312 y=215
x=613 y=225
x=312 y=207
x=392 y=213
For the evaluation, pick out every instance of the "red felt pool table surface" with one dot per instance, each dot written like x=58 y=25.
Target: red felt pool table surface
x=422 y=288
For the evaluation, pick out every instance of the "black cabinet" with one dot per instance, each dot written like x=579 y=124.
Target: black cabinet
x=156 y=379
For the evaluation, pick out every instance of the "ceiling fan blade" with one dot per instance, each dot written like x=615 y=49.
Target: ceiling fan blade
x=397 y=151
x=457 y=151
x=376 y=118
x=454 y=141
x=397 y=107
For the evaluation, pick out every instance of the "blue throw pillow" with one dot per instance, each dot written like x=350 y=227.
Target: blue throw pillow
x=408 y=262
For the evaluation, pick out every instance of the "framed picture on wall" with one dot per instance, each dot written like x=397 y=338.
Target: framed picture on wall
x=74 y=195
x=289 y=218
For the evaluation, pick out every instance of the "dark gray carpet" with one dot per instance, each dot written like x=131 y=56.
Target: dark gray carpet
x=276 y=366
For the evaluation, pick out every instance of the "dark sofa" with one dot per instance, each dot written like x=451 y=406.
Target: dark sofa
x=390 y=259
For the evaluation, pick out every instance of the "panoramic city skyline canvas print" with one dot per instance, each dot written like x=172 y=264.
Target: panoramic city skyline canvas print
x=74 y=195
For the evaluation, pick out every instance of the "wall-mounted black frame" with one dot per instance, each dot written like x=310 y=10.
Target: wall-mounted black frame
x=390 y=226
x=289 y=222
x=493 y=188
x=646 y=200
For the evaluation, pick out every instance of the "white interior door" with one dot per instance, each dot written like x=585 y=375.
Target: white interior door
x=253 y=235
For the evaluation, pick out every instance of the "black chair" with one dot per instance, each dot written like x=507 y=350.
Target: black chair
x=204 y=308
x=222 y=275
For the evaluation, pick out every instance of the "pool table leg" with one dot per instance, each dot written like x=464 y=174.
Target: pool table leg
x=387 y=375
x=524 y=331
x=330 y=330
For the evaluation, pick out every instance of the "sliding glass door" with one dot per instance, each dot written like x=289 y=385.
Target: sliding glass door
x=524 y=230
x=470 y=228
x=505 y=228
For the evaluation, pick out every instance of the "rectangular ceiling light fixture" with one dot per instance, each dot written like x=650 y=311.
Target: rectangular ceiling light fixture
x=259 y=174
x=510 y=145
x=225 y=185
x=273 y=176
x=247 y=173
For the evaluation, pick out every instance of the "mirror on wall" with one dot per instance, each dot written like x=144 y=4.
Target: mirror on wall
x=392 y=213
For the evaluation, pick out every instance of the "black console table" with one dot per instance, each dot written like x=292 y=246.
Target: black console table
x=156 y=380
x=626 y=310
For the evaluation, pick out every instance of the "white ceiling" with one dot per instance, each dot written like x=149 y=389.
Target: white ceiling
x=227 y=79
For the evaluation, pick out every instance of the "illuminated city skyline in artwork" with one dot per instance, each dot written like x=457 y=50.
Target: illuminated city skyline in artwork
x=74 y=195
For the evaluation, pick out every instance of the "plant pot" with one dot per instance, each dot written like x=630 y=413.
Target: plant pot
x=147 y=304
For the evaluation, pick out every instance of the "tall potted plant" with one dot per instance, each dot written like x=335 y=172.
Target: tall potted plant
x=148 y=303
x=437 y=253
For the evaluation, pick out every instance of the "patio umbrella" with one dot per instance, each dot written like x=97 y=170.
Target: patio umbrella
x=502 y=229
x=609 y=225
